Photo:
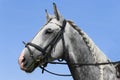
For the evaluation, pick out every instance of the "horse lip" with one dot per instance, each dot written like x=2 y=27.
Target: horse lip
x=22 y=67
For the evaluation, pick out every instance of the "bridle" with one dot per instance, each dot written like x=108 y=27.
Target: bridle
x=47 y=49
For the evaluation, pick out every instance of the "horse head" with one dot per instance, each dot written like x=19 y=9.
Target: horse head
x=47 y=45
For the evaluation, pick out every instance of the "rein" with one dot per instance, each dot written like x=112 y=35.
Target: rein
x=83 y=64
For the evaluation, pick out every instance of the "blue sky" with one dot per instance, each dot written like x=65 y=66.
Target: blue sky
x=21 y=20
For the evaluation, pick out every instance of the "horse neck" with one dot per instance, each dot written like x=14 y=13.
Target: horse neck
x=80 y=52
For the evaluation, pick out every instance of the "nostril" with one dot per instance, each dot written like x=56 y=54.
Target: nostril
x=25 y=63
x=23 y=60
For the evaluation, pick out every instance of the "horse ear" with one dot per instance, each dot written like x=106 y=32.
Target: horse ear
x=47 y=15
x=56 y=13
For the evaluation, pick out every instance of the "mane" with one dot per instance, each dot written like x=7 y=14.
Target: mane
x=89 y=42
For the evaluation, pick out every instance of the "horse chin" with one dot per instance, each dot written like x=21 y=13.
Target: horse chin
x=30 y=69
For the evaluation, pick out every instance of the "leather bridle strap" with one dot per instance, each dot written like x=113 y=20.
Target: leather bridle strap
x=36 y=47
x=52 y=43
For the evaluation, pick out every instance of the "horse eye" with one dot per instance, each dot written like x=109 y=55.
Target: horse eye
x=49 y=31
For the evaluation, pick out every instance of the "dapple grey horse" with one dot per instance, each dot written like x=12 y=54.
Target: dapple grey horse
x=62 y=39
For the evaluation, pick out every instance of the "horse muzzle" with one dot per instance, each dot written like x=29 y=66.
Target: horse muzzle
x=25 y=64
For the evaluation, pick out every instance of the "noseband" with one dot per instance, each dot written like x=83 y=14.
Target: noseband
x=45 y=51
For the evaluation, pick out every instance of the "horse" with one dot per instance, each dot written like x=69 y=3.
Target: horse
x=62 y=39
